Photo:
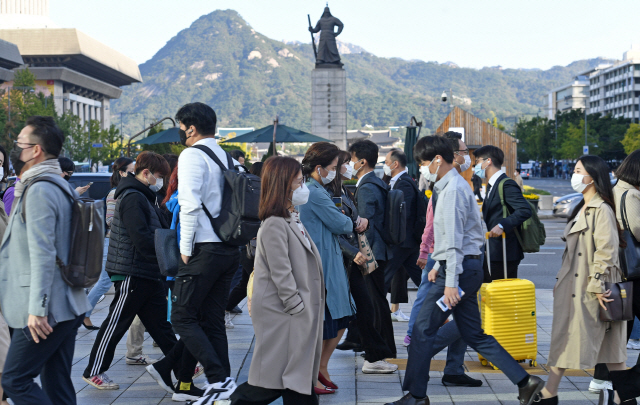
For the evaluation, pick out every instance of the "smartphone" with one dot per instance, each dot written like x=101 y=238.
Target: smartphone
x=90 y=183
x=441 y=303
x=337 y=201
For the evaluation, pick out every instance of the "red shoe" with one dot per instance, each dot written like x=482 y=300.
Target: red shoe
x=323 y=391
x=325 y=382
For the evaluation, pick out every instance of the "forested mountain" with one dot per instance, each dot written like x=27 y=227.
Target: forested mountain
x=249 y=78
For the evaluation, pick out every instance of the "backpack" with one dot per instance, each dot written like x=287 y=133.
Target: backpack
x=87 y=238
x=394 y=231
x=421 y=212
x=238 y=221
x=532 y=234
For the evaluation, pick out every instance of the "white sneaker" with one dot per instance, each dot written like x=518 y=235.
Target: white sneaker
x=217 y=392
x=142 y=360
x=227 y=321
x=634 y=344
x=398 y=316
x=379 y=367
x=596 y=385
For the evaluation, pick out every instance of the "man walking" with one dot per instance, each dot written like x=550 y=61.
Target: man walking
x=201 y=288
x=44 y=311
x=488 y=163
x=458 y=239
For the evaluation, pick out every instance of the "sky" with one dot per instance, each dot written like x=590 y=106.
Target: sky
x=471 y=33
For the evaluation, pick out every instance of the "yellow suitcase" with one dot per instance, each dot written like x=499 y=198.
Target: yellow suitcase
x=508 y=311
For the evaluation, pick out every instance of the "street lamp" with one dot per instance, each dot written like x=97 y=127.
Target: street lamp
x=153 y=124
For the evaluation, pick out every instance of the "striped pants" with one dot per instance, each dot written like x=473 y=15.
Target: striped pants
x=133 y=296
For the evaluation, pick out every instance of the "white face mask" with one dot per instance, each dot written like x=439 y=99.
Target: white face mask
x=354 y=172
x=349 y=173
x=329 y=178
x=159 y=183
x=386 y=169
x=300 y=195
x=466 y=165
x=1 y=172
x=577 y=184
x=430 y=177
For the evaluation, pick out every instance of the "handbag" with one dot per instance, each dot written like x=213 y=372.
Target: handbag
x=629 y=256
x=251 y=249
x=365 y=249
x=621 y=308
x=167 y=251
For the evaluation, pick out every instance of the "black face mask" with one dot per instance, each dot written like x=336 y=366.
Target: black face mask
x=183 y=137
x=14 y=156
x=67 y=177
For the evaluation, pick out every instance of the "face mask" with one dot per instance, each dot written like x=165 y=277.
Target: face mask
x=467 y=163
x=478 y=170
x=1 y=172
x=67 y=177
x=14 y=156
x=329 y=178
x=386 y=169
x=577 y=184
x=159 y=183
x=430 y=177
x=353 y=168
x=349 y=173
x=300 y=195
x=183 y=137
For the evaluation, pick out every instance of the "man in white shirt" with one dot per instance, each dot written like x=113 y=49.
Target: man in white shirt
x=201 y=287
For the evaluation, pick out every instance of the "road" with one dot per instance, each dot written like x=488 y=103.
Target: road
x=542 y=267
x=556 y=187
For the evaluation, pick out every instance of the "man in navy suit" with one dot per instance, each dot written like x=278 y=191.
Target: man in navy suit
x=489 y=161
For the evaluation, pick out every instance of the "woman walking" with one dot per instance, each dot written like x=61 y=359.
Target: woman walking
x=288 y=295
x=325 y=223
x=579 y=339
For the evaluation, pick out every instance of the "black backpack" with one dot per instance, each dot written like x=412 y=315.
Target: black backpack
x=238 y=221
x=394 y=231
x=87 y=238
x=421 y=211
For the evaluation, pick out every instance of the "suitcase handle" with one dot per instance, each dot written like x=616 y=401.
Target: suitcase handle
x=504 y=252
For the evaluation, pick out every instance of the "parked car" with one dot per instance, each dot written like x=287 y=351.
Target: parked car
x=566 y=206
x=524 y=175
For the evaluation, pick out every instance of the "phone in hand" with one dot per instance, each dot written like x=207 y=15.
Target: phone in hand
x=337 y=201
x=90 y=183
x=441 y=303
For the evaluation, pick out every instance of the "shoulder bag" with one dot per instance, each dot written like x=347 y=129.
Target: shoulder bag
x=629 y=256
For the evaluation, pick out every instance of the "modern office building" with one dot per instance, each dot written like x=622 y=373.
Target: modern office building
x=9 y=59
x=571 y=96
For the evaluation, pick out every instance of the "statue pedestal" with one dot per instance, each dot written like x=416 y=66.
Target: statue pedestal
x=329 y=105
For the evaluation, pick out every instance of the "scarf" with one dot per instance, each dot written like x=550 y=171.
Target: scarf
x=48 y=166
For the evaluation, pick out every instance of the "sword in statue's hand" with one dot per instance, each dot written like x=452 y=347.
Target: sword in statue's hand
x=313 y=42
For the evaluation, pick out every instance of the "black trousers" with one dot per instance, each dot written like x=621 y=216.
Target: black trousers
x=247 y=394
x=478 y=194
x=133 y=296
x=497 y=270
x=239 y=292
x=398 y=290
x=627 y=383
x=402 y=257
x=381 y=315
x=198 y=302
x=51 y=359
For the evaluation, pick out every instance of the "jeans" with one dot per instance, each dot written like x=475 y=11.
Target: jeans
x=635 y=332
x=421 y=294
x=51 y=359
x=103 y=284
x=428 y=331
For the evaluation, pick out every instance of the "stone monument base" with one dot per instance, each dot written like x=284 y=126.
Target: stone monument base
x=329 y=104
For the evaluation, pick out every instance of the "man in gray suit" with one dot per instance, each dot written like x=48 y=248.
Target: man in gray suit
x=43 y=310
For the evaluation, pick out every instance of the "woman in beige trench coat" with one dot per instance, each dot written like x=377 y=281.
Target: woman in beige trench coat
x=287 y=305
x=578 y=338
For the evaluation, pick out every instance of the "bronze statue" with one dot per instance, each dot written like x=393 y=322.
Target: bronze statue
x=327 y=55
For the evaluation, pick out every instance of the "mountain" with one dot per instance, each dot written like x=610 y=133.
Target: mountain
x=249 y=79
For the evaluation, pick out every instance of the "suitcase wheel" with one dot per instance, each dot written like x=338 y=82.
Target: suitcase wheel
x=484 y=362
x=533 y=363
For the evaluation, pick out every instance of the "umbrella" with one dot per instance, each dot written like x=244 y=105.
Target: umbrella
x=283 y=134
x=167 y=136
x=410 y=140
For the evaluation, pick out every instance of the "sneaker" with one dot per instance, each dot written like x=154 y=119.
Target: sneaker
x=186 y=392
x=163 y=378
x=227 y=321
x=407 y=341
x=634 y=344
x=142 y=360
x=398 y=316
x=101 y=382
x=100 y=299
x=217 y=392
x=596 y=385
x=379 y=367
x=198 y=371
x=154 y=344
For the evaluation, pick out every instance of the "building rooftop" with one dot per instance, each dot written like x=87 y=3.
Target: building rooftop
x=68 y=47
x=9 y=55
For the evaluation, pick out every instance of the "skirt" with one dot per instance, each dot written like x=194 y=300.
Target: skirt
x=332 y=326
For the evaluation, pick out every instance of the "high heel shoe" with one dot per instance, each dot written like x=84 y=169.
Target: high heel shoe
x=90 y=327
x=323 y=391
x=324 y=381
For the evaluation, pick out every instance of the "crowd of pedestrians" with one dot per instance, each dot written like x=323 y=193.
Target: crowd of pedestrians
x=323 y=262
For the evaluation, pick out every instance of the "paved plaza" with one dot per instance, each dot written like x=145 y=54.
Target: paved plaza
x=137 y=387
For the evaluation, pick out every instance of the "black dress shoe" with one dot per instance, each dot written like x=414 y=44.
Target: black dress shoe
x=410 y=400
x=547 y=401
x=90 y=327
x=236 y=310
x=530 y=392
x=461 y=380
x=348 y=346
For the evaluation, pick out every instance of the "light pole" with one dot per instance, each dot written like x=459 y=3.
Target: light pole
x=153 y=124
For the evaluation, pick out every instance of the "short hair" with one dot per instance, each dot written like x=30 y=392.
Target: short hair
x=5 y=162
x=428 y=147
x=518 y=170
x=629 y=170
x=66 y=164
x=397 y=155
x=120 y=165
x=256 y=169
x=365 y=149
x=278 y=174
x=172 y=160
x=491 y=152
x=200 y=116
x=237 y=153
x=153 y=162
x=320 y=153
x=453 y=135
x=47 y=134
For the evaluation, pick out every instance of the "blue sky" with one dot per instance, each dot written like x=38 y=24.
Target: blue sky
x=471 y=33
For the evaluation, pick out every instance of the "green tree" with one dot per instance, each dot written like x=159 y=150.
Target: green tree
x=24 y=78
x=77 y=145
x=573 y=141
x=494 y=121
x=631 y=139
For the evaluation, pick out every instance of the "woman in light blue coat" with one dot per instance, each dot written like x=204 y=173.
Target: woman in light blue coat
x=324 y=222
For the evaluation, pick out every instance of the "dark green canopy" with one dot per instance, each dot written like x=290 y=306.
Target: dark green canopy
x=170 y=135
x=283 y=134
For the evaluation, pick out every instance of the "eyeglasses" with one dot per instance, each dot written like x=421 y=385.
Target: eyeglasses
x=24 y=143
x=463 y=151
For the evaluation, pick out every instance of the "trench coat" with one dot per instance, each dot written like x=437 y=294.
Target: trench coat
x=287 y=308
x=579 y=340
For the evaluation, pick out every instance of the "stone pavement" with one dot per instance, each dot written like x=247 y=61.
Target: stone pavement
x=137 y=387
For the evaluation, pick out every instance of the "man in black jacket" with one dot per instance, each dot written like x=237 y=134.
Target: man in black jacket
x=488 y=165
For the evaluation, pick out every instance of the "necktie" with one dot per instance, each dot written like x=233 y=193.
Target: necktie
x=488 y=189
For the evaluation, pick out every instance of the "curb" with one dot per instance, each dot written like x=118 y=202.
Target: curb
x=546 y=217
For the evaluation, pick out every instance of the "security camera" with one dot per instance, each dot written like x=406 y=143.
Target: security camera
x=444 y=96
